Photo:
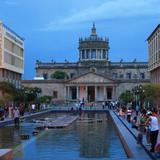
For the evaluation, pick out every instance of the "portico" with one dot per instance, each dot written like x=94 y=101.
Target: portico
x=90 y=87
x=90 y=92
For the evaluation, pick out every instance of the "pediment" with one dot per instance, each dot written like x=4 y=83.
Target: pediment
x=91 y=78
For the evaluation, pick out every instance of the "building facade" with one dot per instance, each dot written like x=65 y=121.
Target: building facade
x=94 y=77
x=154 y=55
x=11 y=56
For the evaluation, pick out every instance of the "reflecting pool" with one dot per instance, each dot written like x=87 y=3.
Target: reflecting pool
x=85 y=139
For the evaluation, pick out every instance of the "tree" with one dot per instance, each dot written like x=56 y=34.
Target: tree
x=59 y=75
x=45 y=99
x=31 y=94
x=8 y=92
x=7 y=88
x=126 y=97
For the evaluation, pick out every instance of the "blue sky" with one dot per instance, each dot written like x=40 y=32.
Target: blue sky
x=51 y=28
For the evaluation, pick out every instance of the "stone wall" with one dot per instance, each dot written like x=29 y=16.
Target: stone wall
x=47 y=88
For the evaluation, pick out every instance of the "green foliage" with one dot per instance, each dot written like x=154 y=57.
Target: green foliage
x=126 y=97
x=59 y=75
x=8 y=91
x=31 y=94
x=7 y=87
x=152 y=92
x=45 y=99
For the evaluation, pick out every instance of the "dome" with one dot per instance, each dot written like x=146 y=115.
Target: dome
x=94 y=47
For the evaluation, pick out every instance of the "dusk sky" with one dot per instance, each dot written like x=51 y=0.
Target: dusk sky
x=51 y=28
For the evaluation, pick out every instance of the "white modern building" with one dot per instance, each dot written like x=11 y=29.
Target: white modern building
x=11 y=56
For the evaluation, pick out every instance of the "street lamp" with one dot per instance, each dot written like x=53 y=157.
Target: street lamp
x=138 y=91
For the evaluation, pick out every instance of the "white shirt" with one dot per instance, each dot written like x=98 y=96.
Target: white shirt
x=33 y=106
x=16 y=113
x=154 y=123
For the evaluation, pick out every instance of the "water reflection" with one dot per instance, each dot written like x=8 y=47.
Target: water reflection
x=93 y=141
x=80 y=141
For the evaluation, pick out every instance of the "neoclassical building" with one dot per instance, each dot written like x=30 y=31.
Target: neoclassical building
x=93 y=77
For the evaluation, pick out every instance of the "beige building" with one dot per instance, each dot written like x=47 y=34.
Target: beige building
x=11 y=56
x=93 y=77
x=154 y=55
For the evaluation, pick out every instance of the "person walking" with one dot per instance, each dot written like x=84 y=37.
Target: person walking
x=137 y=109
x=16 y=116
x=141 y=127
x=154 y=129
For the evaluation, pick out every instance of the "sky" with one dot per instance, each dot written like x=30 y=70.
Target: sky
x=51 y=28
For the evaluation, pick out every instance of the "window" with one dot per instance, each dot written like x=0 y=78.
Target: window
x=83 y=54
x=87 y=54
x=114 y=75
x=135 y=76
x=55 y=94
x=104 y=54
x=142 y=76
x=72 y=75
x=128 y=75
x=45 y=75
x=93 y=54
x=121 y=76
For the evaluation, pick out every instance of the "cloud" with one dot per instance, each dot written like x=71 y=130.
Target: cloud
x=10 y=2
x=109 y=10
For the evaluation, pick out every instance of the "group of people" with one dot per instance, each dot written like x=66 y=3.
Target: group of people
x=14 y=112
x=146 y=122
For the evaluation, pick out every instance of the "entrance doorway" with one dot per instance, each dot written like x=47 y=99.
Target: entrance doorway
x=91 y=94
x=73 y=93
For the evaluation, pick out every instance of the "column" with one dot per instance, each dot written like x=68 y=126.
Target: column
x=85 y=54
x=101 y=54
x=68 y=92
x=115 y=95
x=104 y=92
x=96 y=54
x=95 y=93
x=65 y=93
x=86 y=93
x=81 y=54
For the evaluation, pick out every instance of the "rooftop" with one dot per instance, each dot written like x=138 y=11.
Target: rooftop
x=158 y=26
x=10 y=30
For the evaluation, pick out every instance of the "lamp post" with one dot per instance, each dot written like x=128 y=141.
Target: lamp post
x=139 y=93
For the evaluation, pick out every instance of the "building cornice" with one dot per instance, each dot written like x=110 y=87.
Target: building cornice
x=158 y=26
